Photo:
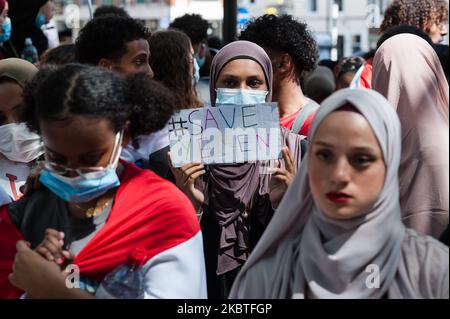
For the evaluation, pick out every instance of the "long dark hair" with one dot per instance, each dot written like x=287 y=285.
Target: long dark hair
x=172 y=63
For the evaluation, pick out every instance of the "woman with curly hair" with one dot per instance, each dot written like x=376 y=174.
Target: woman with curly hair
x=172 y=61
x=92 y=210
x=428 y=15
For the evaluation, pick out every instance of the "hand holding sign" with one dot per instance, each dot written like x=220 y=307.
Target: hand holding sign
x=185 y=179
x=225 y=134
x=287 y=174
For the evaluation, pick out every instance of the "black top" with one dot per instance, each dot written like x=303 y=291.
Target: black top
x=23 y=19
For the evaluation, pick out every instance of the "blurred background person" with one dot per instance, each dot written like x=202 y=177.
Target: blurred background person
x=429 y=15
x=6 y=49
x=346 y=71
x=27 y=21
x=197 y=30
x=319 y=84
x=19 y=148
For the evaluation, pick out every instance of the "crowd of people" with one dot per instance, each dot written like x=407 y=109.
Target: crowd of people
x=361 y=182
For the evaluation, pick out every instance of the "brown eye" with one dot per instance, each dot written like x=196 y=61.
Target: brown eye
x=230 y=83
x=254 y=83
x=324 y=155
x=362 y=161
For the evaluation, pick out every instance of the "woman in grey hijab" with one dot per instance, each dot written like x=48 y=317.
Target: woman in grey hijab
x=338 y=232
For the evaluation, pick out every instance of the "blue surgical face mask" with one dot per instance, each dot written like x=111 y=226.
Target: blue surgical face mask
x=240 y=97
x=6 y=30
x=196 y=72
x=88 y=186
x=40 y=20
x=200 y=61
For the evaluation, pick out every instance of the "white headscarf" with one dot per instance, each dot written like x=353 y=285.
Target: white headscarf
x=303 y=251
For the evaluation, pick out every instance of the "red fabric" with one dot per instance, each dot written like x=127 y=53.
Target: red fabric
x=288 y=122
x=366 y=75
x=305 y=128
x=148 y=212
x=2 y=5
x=9 y=235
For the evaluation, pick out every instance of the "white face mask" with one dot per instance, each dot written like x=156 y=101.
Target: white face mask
x=18 y=144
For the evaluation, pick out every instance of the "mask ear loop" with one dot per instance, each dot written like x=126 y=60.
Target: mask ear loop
x=116 y=150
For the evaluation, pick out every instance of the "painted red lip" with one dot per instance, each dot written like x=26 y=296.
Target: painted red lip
x=339 y=198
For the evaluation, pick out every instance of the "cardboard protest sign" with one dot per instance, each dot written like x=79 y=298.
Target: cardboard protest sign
x=225 y=134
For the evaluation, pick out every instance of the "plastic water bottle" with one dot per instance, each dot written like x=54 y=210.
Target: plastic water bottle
x=127 y=280
x=30 y=52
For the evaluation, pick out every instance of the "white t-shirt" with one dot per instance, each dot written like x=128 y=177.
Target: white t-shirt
x=147 y=145
x=176 y=273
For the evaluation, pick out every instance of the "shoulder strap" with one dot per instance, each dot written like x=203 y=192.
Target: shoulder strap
x=303 y=115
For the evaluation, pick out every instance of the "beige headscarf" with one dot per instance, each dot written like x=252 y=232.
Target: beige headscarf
x=407 y=71
x=17 y=69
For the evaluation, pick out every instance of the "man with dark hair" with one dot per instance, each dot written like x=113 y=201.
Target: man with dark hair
x=293 y=52
x=115 y=42
x=121 y=44
x=105 y=10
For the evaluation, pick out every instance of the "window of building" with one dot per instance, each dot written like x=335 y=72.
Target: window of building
x=356 y=43
x=340 y=4
x=313 y=5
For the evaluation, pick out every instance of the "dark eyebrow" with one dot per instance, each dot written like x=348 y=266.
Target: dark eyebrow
x=255 y=77
x=358 y=149
x=96 y=153
x=141 y=54
x=323 y=144
x=231 y=76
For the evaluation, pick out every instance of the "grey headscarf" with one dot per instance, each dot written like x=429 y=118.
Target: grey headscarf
x=305 y=252
x=240 y=50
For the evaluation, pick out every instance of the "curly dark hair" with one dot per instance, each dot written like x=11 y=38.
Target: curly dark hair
x=172 y=64
x=107 y=37
x=63 y=54
x=105 y=10
x=193 y=25
x=418 y=13
x=56 y=94
x=442 y=10
x=400 y=29
x=284 y=33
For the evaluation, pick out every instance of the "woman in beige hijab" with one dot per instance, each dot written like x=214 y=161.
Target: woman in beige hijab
x=338 y=232
x=408 y=73
x=19 y=148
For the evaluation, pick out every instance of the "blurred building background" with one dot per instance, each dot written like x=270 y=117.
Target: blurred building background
x=341 y=27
